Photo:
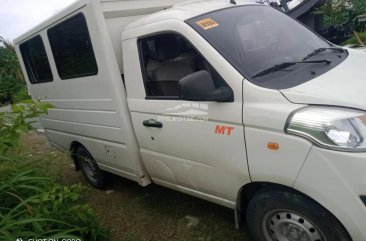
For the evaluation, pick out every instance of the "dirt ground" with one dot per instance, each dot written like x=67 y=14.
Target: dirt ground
x=134 y=213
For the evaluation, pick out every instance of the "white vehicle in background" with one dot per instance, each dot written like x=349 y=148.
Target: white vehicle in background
x=239 y=105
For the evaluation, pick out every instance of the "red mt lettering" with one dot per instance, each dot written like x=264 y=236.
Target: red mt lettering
x=222 y=130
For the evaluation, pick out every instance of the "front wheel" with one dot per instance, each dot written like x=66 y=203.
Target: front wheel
x=281 y=215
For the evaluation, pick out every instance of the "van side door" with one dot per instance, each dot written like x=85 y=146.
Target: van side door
x=192 y=146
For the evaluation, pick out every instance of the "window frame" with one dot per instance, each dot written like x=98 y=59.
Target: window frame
x=57 y=63
x=28 y=65
x=143 y=67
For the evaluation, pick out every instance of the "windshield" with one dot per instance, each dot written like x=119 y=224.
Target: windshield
x=254 y=38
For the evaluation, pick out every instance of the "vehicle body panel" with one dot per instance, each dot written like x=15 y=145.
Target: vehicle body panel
x=342 y=86
x=189 y=154
x=265 y=113
x=336 y=180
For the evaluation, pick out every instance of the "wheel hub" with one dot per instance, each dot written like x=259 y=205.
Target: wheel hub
x=283 y=225
x=294 y=234
x=90 y=169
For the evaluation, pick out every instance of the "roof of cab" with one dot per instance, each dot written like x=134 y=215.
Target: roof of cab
x=181 y=11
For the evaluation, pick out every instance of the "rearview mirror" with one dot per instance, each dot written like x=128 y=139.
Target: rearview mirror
x=199 y=86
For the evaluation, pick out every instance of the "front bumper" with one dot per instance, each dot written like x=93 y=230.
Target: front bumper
x=337 y=180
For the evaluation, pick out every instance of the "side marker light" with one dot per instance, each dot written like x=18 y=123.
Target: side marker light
x=273 y=146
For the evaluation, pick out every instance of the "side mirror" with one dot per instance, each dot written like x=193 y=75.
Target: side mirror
x=199 y=86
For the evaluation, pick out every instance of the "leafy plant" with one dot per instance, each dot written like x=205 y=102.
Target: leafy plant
x=20 y=95
x=16 y=122
x=31 y=205
x=340 y=11
x=63 y=203
x=11 y=77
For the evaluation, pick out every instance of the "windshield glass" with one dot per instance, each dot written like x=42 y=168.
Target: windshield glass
x=254 y=38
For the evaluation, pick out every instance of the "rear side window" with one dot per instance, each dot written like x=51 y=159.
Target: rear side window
x=72 y=48
x=36 y=61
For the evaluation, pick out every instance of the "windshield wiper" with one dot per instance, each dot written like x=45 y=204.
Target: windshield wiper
x=319 y=50
x=284 y=65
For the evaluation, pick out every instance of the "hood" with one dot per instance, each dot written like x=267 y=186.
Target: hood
x=344 y=85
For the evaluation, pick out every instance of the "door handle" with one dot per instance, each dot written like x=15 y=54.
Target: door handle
x=153 y=123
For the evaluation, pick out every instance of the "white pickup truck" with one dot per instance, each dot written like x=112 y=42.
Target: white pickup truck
x=234 y=103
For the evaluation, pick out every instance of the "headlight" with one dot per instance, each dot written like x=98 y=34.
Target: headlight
x=330 y=127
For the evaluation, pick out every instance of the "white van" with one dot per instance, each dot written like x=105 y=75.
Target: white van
x=237 y=104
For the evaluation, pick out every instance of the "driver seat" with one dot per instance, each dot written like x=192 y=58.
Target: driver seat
x=166 y=76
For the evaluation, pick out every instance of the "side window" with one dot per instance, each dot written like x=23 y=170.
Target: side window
x=36 y=61
x=72 y=48
x=167 y=58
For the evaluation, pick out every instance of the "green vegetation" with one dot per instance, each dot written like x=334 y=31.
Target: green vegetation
x=354 y=41
x=20 y=95
x=11 y=78
x=341 y=11
x=13 y=123
x=32 y=203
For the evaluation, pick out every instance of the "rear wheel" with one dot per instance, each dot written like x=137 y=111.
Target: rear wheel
x=96 y=177
x=281 y=215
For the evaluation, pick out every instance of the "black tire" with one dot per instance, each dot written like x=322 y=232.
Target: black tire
x=279 y=215
x=95 y=176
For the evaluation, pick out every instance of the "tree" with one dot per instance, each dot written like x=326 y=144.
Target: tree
x=340 y=11
x=11 y=77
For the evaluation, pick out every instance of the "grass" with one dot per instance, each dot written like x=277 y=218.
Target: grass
x=33 y=204
x=134 y=213
x=34 y=151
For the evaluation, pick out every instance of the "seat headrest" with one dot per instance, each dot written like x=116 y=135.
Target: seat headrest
x=167 y=47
